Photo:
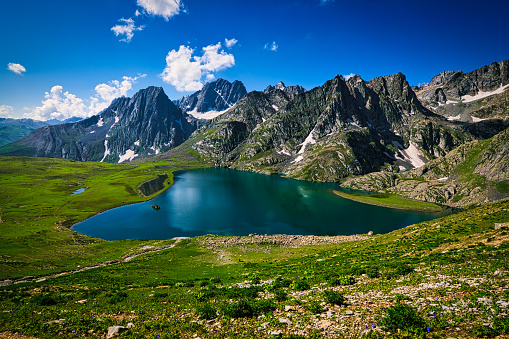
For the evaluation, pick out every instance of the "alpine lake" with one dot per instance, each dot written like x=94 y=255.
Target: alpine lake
x=229 y=202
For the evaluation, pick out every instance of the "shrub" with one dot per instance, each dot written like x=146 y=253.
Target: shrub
x=117 y=297
x=402 y=317
x=264 y=306
x=240 y=309
x=300 y=285
x=280 y=295
x=501 y=325
x=255 y=280
x=207 y=311
x=372 y=272
x=315 y=307
x=342 y=280
x=401 y=297
x=333 y=297
x=402 y=269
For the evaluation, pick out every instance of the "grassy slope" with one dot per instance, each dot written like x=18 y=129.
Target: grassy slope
x=455 y=260
x=390 y=201
x=37 y=207
x=445 y=262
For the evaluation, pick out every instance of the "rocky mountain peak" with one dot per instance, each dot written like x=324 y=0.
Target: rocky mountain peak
x=218 y=96
x=145 y=124
x=449 y=86
x=297 y=89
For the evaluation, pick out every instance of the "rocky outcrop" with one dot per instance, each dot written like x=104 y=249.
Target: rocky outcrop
x=472 y=174
x=152 y=186
x=218 y=95
x=493 y=163
x=454 y=86
x=146 y=124
x=296 y=89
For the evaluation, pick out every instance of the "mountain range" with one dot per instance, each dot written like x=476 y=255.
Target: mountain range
x=329 y=133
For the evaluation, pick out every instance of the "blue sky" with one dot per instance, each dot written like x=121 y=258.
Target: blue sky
x=64 y=58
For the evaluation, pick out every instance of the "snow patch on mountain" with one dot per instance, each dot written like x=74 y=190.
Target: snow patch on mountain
x=127 y=156
x=482 y=95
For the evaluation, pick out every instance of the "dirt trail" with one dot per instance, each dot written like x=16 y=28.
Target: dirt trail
x=41 y=278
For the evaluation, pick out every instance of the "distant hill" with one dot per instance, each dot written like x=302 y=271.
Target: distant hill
x=14 y=129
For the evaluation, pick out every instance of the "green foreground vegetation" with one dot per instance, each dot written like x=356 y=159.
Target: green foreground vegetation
x=443 y=278
x=390 y=201
x=37 y=207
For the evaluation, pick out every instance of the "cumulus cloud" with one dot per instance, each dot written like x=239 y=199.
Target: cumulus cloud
x=6 y=111
x=271 y=47
x=185 y=71
x=62 y=105
x=230 y=42
x=348 y=76
x=164 y=8
x=127 y=29
x=16 y=68
x=106 y=93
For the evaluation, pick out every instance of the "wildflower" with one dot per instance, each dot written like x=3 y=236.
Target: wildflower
x=428 y=329
x=373 y=325
x=322 y=329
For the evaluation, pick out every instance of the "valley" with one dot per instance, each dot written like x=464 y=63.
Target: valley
x=441 y=278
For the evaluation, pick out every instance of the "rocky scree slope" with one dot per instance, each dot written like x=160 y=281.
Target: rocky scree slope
x=468 y=96
x=146 y=124
x=329 y=132
x=473 y=174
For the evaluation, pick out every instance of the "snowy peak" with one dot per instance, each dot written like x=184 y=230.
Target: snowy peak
x=216 y=96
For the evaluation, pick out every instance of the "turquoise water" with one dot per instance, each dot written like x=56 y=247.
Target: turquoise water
x=228 y=202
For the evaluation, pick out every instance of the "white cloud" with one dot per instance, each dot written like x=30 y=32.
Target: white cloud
x=6 y=111
x=106 y=93
x=58 y=105
x=348 y=76
x=63 y=105
x=185 y=72
x=271 y=47
x=16 y=68
x=128 y=29
x=137 y=13
x=214 y=60
x=230 y=42
x=164 y=8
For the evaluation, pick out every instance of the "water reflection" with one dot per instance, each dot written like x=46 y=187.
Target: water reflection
x=222 y=201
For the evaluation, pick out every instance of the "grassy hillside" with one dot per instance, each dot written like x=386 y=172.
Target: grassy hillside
x=448 y=277
x=37 y=207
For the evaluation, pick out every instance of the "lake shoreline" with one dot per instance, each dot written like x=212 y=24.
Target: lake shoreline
x=397 y=202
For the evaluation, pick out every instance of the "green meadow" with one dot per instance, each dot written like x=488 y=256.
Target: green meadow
x=442 y=278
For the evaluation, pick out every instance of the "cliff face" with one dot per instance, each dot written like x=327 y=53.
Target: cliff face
x=145 y=124
x=457 y=86
x=218 y=95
